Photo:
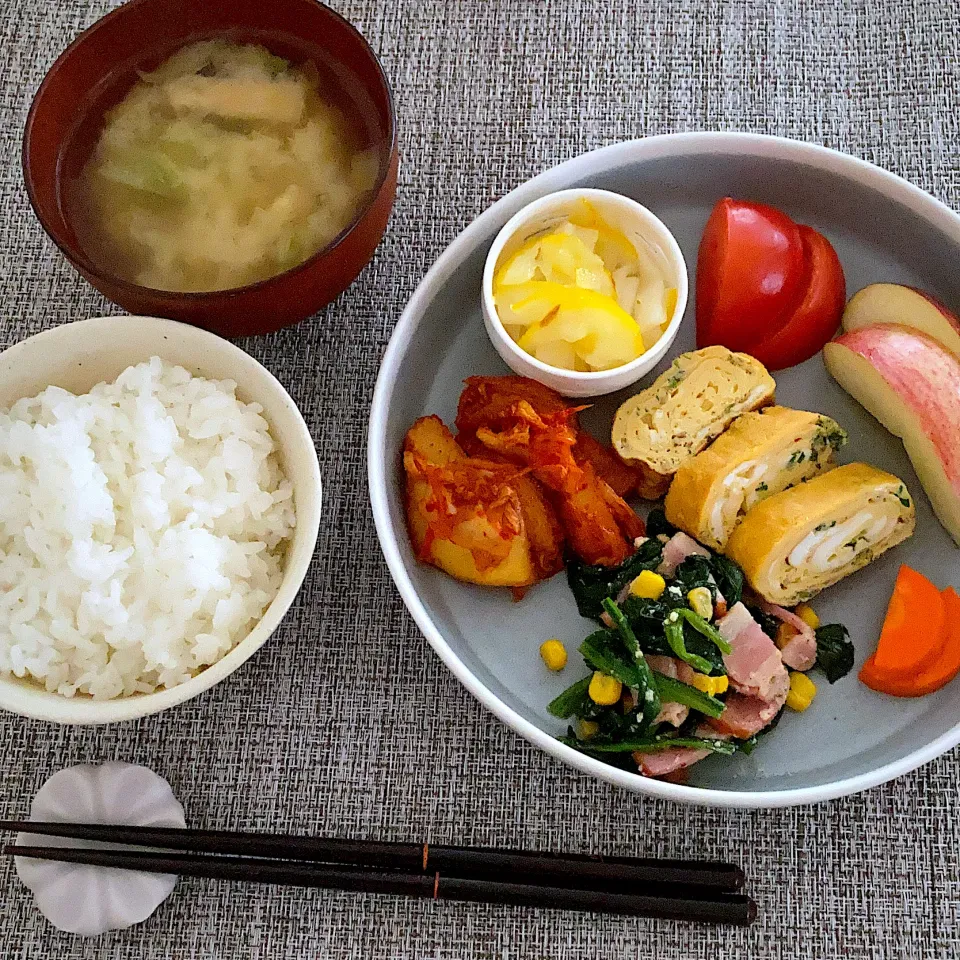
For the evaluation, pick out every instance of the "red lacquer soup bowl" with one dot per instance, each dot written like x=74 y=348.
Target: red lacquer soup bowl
x=97 y=70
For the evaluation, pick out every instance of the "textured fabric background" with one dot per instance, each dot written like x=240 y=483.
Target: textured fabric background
x=346 y=722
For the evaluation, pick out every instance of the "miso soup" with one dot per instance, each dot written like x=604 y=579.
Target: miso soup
x=225 y=166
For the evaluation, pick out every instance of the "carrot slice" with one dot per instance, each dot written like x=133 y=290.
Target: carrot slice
x=913 y=631
x=870 y=676
x=933 y=677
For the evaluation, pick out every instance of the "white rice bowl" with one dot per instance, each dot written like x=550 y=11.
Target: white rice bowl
x=142 y=531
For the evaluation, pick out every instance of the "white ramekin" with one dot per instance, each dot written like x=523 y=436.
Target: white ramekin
x=639 y=225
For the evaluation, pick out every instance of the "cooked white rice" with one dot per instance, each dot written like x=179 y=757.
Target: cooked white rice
x=142 y=528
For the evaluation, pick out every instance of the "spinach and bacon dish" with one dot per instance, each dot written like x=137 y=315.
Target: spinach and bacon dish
x=686 y=662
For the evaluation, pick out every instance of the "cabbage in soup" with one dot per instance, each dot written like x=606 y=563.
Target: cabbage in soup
x=225 y=166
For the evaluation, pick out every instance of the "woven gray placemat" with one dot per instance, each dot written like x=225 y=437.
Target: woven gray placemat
x=346 y=722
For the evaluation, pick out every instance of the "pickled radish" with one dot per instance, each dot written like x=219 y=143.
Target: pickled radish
x=582 y=295
x=556 y=258
x=600 y=334
x=626 y=285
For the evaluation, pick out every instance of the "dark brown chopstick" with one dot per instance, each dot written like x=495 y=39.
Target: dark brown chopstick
x=568 y=870
x=705 y=907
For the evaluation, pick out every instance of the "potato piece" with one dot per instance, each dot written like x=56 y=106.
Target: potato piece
x=431 y=438
x=541 y=526
x=594 y=533
x=631 y=526
x=478 y=521
x=513 y=570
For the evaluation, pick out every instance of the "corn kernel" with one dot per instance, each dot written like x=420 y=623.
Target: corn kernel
x=802 y=684
x=604 y=690
x=700 y=600
x=802 y=692
x=710 y=685
x=648 y=586
x=806 y=613
x=554 y=654
x=588 y=729
x=796 y=702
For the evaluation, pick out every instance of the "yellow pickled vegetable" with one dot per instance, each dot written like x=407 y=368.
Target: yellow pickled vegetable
x=562 y=258
x=602 y=335
x=583 y=296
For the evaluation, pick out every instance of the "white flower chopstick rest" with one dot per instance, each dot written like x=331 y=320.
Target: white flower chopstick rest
x=92 y=900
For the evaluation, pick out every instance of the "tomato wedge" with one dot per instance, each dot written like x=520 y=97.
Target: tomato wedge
x=750 y=272
x=815 y=319
x=913 y=636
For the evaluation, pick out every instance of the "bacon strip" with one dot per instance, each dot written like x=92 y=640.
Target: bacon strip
x=676 y=550
x=754 y=666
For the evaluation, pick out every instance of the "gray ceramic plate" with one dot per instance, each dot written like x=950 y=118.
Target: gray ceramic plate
x=884 y=229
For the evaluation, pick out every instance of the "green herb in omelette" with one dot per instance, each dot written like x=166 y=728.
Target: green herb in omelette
x=829 y=434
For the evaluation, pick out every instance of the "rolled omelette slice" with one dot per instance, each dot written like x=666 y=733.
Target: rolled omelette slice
x=761 y=454
x=795 y=543
x=684 y=409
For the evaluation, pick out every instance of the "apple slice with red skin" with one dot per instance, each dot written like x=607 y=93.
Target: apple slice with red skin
x=911 y=384
x=894 y=303
x=816 y=318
